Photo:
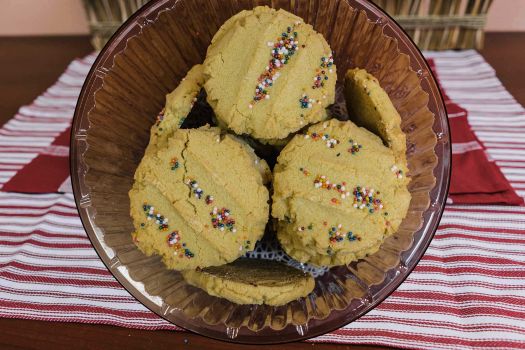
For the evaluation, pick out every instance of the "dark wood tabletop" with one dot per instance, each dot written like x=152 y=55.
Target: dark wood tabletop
x=28 y=66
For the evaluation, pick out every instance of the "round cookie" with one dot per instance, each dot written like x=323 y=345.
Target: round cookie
x=268 y=74
x=178 y=105
x=338 y=191
x=252 y=281
x=370 y=107
x=200 y=201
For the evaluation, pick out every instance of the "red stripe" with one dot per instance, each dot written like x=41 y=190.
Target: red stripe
x=482 y=229
x=77 y=308
x=464 y=310
x=418 y=279
x=90 y=256
x=504 y=210
x=495 y=239
x=73 y=269
x=48 y=245
x=469 y=328
x=453 y=299
x=471 y=258
x=452 y=270
x=427 y=338
x=43 y=211
x=62 y=295
x=58 y=280
x=44 y=234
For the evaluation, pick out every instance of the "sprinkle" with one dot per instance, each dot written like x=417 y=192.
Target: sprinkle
x=321 y=73
x=194 y=186
x=336 y=234
x=151 y=214
x=222 y=220
x=173 y=238
x=209 y=199
x=306 y=102
x=304 y=171
x=282 y=50
x=364 y=197
x=160 y=118
x=351 y=237
x=398 y=172
x=174 y=163
x=355 y=147
x=330 y=142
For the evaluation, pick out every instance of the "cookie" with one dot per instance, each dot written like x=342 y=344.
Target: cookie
x=370 y=107
x=252 y=281
x=200 y=201
x=178 y=105
x=338 y=192
x=268 y=74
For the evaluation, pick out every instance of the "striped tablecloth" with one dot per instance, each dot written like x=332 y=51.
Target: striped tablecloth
x=467 y=292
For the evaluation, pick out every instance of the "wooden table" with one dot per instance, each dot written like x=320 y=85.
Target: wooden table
x=28 y=66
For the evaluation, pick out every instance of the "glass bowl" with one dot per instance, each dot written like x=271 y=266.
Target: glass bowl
x=124 y=91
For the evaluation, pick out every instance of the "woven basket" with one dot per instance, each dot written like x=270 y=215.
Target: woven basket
x=432 y=24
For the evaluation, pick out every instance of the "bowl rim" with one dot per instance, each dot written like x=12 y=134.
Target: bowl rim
x=139 y=19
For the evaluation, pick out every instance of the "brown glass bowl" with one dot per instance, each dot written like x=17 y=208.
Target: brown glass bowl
x=125 y=90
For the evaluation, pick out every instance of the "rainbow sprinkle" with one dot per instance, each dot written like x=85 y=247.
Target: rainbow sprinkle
x=321 y=73
x=283 y=49
x=174 y=163
x=366 y=198
x=152 y=214
x=398 y=172
x=336 y=234
x=327 y=62
x=354 y=147
x=330 y=142
x=222 y=220
x=351 y=237
x=194 y=186
x=160 y=118
x=306 y=102
x=304 y=171
x=321 y=181
x=302 y=228
x=174 y=240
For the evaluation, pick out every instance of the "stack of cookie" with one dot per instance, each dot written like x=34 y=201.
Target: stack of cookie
x=201 y=196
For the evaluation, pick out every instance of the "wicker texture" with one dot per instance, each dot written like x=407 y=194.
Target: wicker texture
x=441 y=24
x=432 y=24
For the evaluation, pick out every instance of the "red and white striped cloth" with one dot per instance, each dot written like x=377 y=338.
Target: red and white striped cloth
x=467 y=292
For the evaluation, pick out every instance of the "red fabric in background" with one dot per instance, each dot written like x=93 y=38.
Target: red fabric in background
x=475 y=178
x=45 y=173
